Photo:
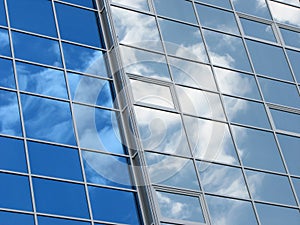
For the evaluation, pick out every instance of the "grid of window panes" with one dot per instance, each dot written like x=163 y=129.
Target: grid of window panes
x=62 y=161
x=215 y=91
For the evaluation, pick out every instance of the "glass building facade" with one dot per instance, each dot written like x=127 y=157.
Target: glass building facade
x=148 y=112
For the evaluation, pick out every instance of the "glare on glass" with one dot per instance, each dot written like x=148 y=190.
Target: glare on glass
x=11 y=218
x=6 y=73
x=254 y=7
x=4 y=43
x=291 y=38
x=286 y=120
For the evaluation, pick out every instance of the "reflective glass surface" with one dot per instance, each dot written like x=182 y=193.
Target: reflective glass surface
x=254 y=7
x=4 y=43
x=15 y=192
x=230 y=212
x=138 y=4
x=10 y=122
x=171 y=171
x=269 y=60
x=270 y=187
x=286 y=121
x=217 y=19
x=296 y=183
x=85 y=60
x=176 y=9
x=10 y=218
x=276 y=215
x=290 y=149
x=47 y=119
x=33 y=16
x=258 y=30
x=161 y=131
x=43 y=220
x=290 y=37
x=182 y=40
x=280 y=93
x=87 y=3
x=43 y=156
x=41 y=80
x=235 y=83
x=190 y=208
x=210 y=140
x=36 y=49
x=90 y=90
x=61 y=198
x=224 y=3
x=222 y=180
x=294 y=58
x=257 y=149
x=12 y=155
x=6 y=73
x=2 y=14
x=113 y=205
x=73 y=22
x=97 y=129
x=226 y=50
x=238 y=111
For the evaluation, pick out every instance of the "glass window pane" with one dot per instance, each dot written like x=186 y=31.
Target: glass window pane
x=170 y=203
x=280 y=93
x=128 y=24
x=10 y=218
x=161 y=131
x=290 y=149
x=227 y=211
x=114 y=205
x=4 y=43
x=294 y=58
x=43 y=157
x=140 y=4
x=144 y=63
x=235 y=83
x=296 y=183
x=90 y=90
x=200 y=103
x=226 y=50
x=171 y=171
x=254 y=7
x=12 y=155
x=258 y=30
x=85 y=60
x=222 y=180
x=15 y=192
x=61 y=198
x=177 y=9
x=224 y=3
x=255 y=148
x=153 y=94
x=217 y=19
x=86 y=3
x=73 y=22
x=47 y=119
x=43 y=220
x=210 y=140
x=182 y=40
x=270 y=187
x=10 y=122
x=285 y=14
x=192 y=74
x=33 y=16
x=292 y=2
x=36 y=49
x=275 y=215
x=98 y=129
x=106 y=169
x=6 y=73
x=2 y=14
x=41 y=80
x=238 y=111
x=269 y=60
x=286 y=121
x=291 y=38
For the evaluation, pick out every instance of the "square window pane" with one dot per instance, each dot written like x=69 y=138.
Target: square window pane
x=33 y=16
x=73 y=22
x=10 y=122
x=286 y=121
x=12 y=155
x=4 y=43
x=15 y=192
x=7 y=78
x=253 y=7
x=36 y=49
x=10 y=218
x=43 y=220
x=61 y=198
x=291 y=38
x=238 y=111
x=183 y=40
x=54 y=161
x=114 y=205
x=41 y=80
x=85 y=60
x=48 y=119
x=226 y=50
